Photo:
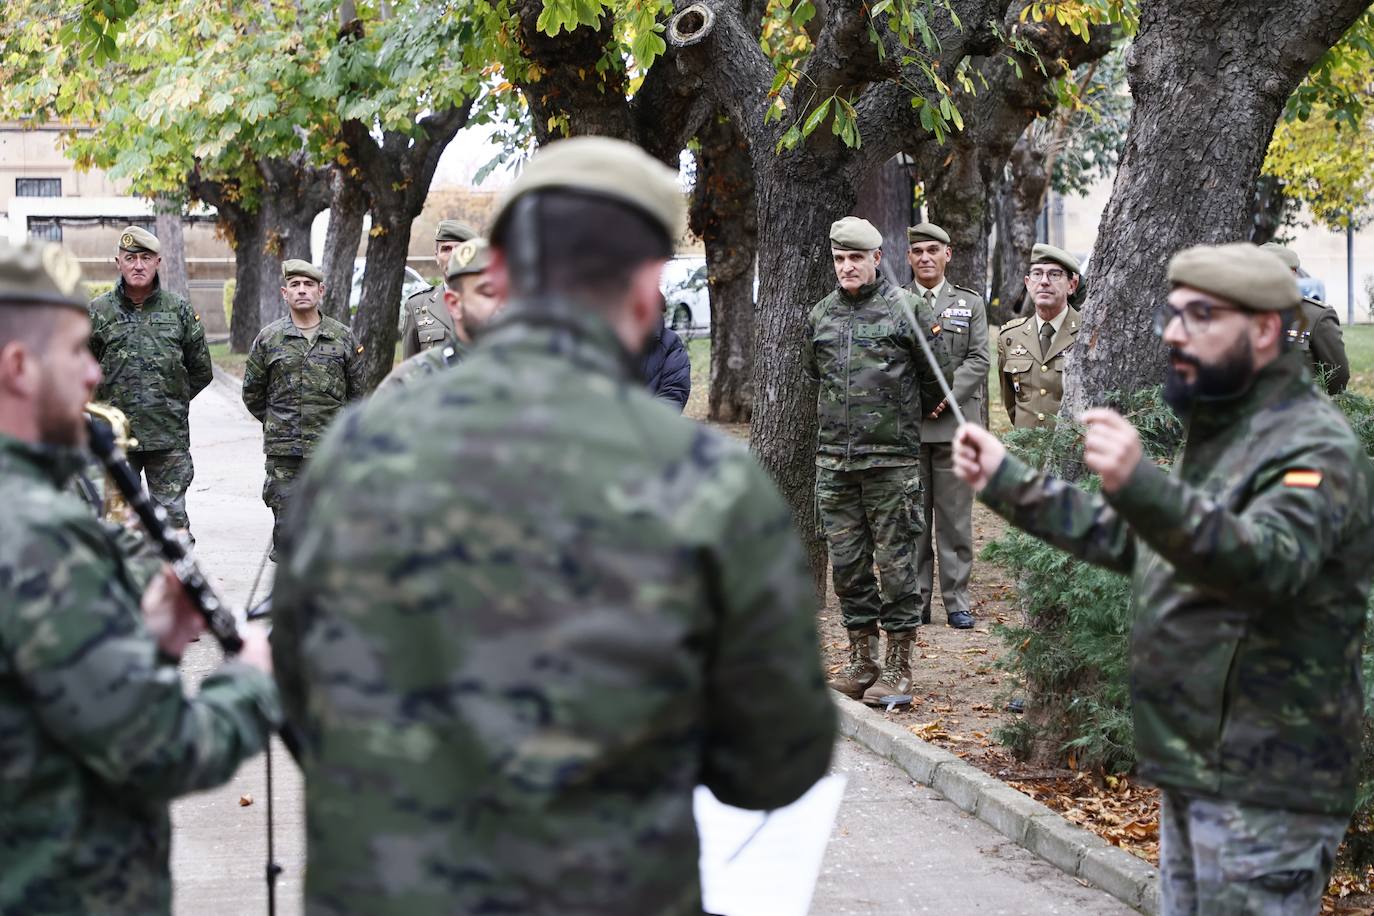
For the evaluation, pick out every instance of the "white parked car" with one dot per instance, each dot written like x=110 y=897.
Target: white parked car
x=410 y=285
x=686 y=297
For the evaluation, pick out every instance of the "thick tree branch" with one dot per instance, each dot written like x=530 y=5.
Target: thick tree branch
x=720 y=49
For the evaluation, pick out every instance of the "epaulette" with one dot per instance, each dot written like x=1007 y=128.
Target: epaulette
x=1016 y=322
x=1312 y=301
x=967 y=290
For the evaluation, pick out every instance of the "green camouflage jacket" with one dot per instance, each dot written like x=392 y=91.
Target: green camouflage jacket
x=875 y=386
x=604 y=605
x=424 y=364
x=154 y=360
x=96 y=735
x=295 y=387
x=1250 y=568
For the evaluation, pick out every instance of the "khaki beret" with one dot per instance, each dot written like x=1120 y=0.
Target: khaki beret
x=453 y=230
x=854 y=234
x=1288 y=256
x=926 y=232
x=36 y=273
x=608 y=168
x=136 y=239
x=471 y=257
x=294 y=267
x=1238 y=272
x=1042 y=254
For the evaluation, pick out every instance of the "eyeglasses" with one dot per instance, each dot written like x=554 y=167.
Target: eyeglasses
x=1196 y=317
x=1054 y=276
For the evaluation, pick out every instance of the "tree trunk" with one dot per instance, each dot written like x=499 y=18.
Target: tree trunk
x=885 y=201
x=395 y=174
x=172 y=274
x=1019 y=202
x=347 y=210
x=246 y=320
x=1269 y=211
x=794 y=273
x=1209 y=79
x=376 y=324
x=959 y=197
x=724 y=213
x=293 y=195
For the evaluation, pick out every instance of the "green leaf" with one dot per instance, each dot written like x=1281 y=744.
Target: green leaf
x=814 y=119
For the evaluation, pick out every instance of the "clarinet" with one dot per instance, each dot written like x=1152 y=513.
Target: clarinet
x=220 y=620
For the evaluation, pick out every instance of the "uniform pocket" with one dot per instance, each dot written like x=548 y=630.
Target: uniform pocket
x=913 y=498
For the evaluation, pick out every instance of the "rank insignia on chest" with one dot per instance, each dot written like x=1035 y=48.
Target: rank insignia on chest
x=1019 y=350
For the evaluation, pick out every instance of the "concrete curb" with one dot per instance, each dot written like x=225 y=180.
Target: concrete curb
x=1020 y=818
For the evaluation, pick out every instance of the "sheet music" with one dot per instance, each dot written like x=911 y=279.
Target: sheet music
x=756 y=863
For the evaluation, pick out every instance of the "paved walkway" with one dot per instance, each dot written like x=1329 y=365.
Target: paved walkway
x=897 y=848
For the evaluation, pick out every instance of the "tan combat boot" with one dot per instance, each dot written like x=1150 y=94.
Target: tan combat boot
x=896 y=677
x=862 y=667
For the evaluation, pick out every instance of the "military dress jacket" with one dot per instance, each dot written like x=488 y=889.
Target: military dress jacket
x=530 y=613
x=963 y=321
x=295 y=386
x=153 y=360
x=96 y=734
x=874 y=385
x=1250 y=567
x=425 y=322
x=1318 y=336
x=1032 y=382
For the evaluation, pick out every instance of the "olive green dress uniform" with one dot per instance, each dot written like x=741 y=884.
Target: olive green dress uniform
x=948 y=501
x=425 y=323
x=1032 y=379
x=1318 y=336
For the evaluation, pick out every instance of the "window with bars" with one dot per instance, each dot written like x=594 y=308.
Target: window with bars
x=48 y=230
x=38 y=187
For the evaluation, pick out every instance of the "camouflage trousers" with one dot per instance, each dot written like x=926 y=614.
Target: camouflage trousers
x=169 y=472
x=1223 y=858
x=873 y=517
x=281 y=474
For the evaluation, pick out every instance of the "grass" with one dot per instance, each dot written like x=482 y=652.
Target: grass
x=1359 y=346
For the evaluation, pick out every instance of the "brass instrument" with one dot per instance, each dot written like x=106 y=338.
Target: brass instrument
x=115 y=508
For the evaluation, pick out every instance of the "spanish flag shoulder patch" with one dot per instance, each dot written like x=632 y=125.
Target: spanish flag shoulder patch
x=1303 y=480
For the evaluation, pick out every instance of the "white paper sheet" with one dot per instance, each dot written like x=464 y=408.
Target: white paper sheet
x=756 y=867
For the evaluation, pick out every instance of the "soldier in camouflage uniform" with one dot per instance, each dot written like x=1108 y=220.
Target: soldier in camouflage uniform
x=425 y=323
x=96 y=734
x=522 y=618
x=471 y=302
x=154 y=359
x=302 y=369
x=1250 y=565
x=874 y=388
x=1318 y=333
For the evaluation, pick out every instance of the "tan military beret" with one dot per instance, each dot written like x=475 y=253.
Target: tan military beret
x=854 y=234
x=1042 y=254
x=926 y=232
x=606 y=167
x=294 y=267
x=471 y=257
x=453 y=230
x=135 y=239
x=1239 y=272
x=37 y=273
x=1288 y=256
